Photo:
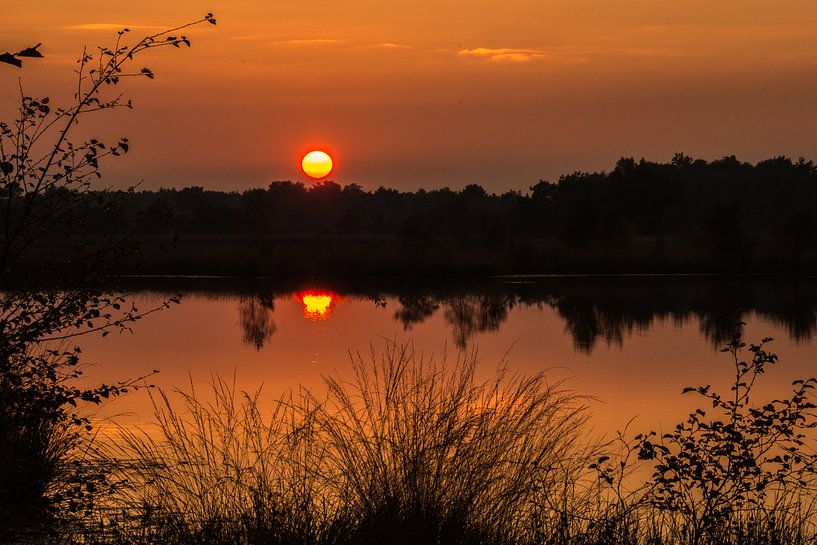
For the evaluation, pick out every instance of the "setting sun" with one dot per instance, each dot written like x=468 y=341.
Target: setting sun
x=317 y=164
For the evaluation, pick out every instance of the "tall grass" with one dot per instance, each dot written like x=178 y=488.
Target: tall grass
x=418 y=452
x=411 y=449
x=222 y=472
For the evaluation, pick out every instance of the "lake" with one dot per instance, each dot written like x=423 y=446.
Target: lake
x=630 y=344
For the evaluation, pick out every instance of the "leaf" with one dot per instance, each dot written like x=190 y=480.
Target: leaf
x=30 y=52
x=8 y=58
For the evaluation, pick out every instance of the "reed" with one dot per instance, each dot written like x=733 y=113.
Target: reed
x=420 y=452
x=411 y=449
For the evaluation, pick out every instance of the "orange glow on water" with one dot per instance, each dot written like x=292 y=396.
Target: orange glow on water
x=317 y=304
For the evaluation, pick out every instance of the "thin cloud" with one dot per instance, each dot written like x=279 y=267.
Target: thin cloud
x=505 y=54
x=564 y=54
x=108 y=26
x=392 y=45
x=248 y=37
x=310 y=41
x=382 y=45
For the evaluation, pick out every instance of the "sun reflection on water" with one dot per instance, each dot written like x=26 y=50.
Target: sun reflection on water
x=317 y=304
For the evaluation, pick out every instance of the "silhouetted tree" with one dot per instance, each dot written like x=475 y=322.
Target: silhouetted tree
x=45 y=186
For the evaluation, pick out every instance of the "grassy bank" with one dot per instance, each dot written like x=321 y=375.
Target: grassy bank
x=415 y=450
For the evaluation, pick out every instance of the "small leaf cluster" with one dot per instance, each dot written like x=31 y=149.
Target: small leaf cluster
x=735 y=456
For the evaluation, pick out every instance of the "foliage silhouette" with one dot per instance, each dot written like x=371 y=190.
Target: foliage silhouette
x=14 y=58
x=734 y=471
x=709 y=469
x=46 y=193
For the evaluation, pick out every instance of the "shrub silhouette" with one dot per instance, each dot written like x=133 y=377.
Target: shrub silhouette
x=413 y=451
x=711 y=469
x=45 y=184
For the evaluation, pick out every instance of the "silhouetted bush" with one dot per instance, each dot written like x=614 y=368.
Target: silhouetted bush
x=46 y=478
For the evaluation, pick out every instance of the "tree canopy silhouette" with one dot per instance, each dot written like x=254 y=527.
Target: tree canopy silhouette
x=682 y=216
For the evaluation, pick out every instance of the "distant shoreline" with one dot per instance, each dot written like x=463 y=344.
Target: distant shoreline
x=687 y=216
x=803 y=275
x=390 y=257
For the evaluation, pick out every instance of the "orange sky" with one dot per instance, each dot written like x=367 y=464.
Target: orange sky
x=433 y=93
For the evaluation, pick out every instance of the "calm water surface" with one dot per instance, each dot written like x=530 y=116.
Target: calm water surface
x=630 y=343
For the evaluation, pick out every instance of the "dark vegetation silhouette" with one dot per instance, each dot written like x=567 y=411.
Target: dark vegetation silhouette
x=710 y=468
x=47 y=479
x=413 y=450
x=683 y=216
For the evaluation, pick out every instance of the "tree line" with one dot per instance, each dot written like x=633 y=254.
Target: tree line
x=727 y=202
x=687 y=215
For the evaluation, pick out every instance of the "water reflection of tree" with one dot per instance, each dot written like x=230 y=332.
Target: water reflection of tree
x=793 y=306
x=415 y=309
x=800 y=323
x=586 y=324
x=470 y=314
x=594 y=310
x=607 y=311
x=257 y=325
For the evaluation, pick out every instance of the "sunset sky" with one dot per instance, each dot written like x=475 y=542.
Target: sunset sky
x=435 y=93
